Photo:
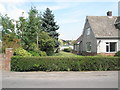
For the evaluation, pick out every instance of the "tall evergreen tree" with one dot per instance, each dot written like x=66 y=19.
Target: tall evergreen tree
x=29 y=28
x=49 y=24
x=21 y=26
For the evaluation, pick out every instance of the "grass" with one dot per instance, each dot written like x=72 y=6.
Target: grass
x=61 y=53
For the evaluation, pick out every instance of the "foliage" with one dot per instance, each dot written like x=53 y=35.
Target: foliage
x=46 y=43
x=7 y=25
x=54 y=63
x=67 y=49
x=61 y=42
x=49 y=25
x=57 y=50
x=9 y=37
x=0 y=35
x=42 y=53
x=117 y=53
x=21 y=52
x=68 y=42
x=33 y=47
x=10 y=41
x=27 y=32
x=38 y=53
x=34 y=53
x=29 y=28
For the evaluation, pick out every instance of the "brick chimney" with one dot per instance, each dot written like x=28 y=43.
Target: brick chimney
x=109 y=13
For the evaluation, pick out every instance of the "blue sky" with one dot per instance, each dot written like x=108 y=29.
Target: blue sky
x=69 y=15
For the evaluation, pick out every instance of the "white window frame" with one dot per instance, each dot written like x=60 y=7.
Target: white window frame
x=108 y=44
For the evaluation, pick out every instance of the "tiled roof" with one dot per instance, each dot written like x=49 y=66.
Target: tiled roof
x=103 y=26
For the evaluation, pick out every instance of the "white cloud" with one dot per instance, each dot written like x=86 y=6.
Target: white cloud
x=12 y=1
x=2 y=9
x=16 y=13
x=10 y=7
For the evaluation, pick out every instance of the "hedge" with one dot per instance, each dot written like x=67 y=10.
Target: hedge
x=54 y=63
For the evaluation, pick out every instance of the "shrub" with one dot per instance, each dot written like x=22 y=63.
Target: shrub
x=67 y=49
x=42 y=53
x=32 y=47
x=34 y=53
x=57 y=50
x=117 y=54
x=38 y=53
x=56 y=63
x=46 y=43
x=21 y=52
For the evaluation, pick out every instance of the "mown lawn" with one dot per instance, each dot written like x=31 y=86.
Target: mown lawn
x=61 y=53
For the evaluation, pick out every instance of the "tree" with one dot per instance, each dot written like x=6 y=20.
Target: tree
x=46 y=43
x=29 y=28
x=9 y=41
x=8 y=26
x=21 y=25
x=49 y=25
x=34 y=25
x=21 y=31
x=9 y=37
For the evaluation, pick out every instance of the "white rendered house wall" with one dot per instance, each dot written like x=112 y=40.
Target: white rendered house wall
x=101 y=45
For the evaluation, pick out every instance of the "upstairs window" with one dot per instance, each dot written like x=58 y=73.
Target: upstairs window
x=88 y=31
x=111 y=46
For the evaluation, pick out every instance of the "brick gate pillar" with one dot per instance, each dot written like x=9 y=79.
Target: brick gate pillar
x=8 y=55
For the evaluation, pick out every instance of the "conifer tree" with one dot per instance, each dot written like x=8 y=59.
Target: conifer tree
x=49 y=24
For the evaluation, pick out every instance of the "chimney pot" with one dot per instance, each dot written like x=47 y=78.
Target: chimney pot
x=109 y=13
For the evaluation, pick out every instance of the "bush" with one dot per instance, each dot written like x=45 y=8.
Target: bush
x=34 y=53
x=42 y=53
x=67 y=49
x=56 y=63
x=21 y=52
x=38 y=53
x=57 y=50
x=117 y=54
x=46 y=43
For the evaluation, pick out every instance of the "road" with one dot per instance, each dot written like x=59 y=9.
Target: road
x=102 y=79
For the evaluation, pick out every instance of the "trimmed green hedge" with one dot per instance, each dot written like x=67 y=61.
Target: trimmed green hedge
x=54 y=63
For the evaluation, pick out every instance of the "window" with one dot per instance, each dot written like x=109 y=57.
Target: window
x=111 y=46
x=88 y=31
x=88 y=46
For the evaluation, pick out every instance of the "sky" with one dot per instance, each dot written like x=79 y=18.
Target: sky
x=70 y=15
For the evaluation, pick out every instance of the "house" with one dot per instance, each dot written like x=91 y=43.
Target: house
x=78 y=45
x=101 y=35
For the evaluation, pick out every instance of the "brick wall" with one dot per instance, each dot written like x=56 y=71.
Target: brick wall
x=93 y=54
x=6 y=59
x=1 y=61
x=107 y=54
x=88 y=53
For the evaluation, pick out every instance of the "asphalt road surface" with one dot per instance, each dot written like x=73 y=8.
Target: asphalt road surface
x=102 y=79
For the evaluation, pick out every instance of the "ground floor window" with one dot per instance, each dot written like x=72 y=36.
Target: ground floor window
x=88 y=46
x=111 y=46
